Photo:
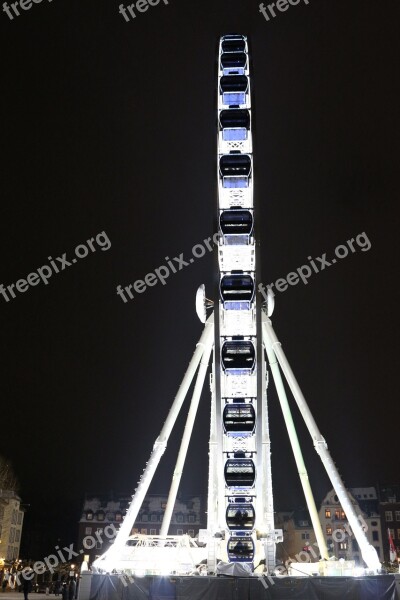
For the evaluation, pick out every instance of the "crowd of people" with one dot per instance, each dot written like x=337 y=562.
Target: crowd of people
x=67 y=589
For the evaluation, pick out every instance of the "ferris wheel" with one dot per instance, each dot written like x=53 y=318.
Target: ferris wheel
x=239 y=337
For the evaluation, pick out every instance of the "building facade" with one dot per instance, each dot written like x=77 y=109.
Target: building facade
x=299 y=542
x=339 y=537
x=389 y=504
x=11 y=522
x=102 y=515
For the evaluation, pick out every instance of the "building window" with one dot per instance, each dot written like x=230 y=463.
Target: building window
x=375 y=536
x=305 y=536
x=179 y=518
x=191 y=518
x=329 y=530
x=337 y=514
x=153 y=531
x=88 y=530
x=143 y=531
x=118 y=517
x=99 y=545
x=100 y=515
x=179 y=532
x=89 y=516
x=12 y=535
x=163 y=505
x=374 y=523
x=398 y=534
x=135 y=530
x=153 y=518
x=343 y=546
x=20 y=518
x=145 y=517
x=191 y=532
x=342 y=515
x=388 y=515
x=397 y=512
x=328 y=513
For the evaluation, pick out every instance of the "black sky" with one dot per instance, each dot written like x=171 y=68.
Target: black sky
x=111 y=126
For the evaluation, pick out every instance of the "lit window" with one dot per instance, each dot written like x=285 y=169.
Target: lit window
x=143 y=531
x=337 y=514
x=329 y=530
x=89 y=515
x=343 y=546
x=100 y=515
x=118 y=517
x=388 y=515
x=342 y=515
x=88 y=530
x=327 y=513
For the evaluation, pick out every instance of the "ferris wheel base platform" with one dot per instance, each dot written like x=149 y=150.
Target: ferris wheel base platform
x=115 y=587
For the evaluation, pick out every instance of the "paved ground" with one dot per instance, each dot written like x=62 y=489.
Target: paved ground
x=32 y=596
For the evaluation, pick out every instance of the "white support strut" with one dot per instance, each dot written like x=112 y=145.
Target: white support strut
x=106 y=561
x=176 y=478
x=294 y=440
x=368 y=552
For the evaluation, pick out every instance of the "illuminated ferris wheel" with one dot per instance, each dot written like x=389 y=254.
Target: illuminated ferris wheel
x=239 y=336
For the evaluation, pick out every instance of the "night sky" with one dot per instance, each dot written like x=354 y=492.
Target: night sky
x=110 y=126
